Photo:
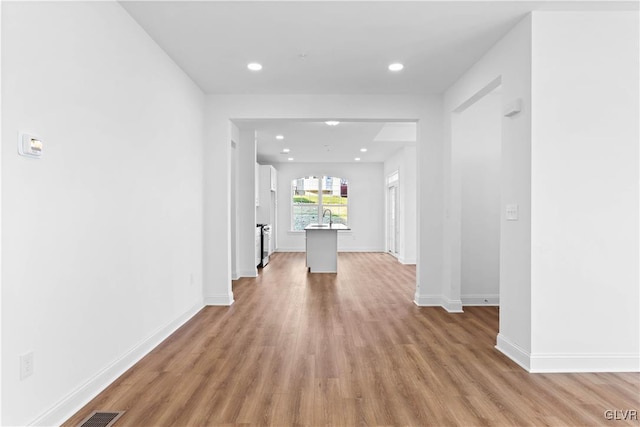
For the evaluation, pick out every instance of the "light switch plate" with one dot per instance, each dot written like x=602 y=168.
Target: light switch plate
x=512 y=212
x=26 y=365
x=29 y=145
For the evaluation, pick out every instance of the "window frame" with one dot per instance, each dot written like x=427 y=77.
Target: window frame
x=320 y=205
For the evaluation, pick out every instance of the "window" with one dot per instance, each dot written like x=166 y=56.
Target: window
x=311 y=195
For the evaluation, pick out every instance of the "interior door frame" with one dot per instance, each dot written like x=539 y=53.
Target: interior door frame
x=395 y=184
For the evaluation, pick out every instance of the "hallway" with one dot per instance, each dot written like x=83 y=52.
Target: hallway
x=347 y=349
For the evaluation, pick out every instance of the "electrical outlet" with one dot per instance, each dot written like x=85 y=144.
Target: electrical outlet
x=26 y=365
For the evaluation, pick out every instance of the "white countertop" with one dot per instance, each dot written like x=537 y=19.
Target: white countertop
x=328 y=227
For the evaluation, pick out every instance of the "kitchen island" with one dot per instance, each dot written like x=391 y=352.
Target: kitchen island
x=322 y=247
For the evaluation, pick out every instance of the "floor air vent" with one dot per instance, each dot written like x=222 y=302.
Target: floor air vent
x=101 y=419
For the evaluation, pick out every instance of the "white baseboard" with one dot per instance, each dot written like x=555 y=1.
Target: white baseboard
x=248 y=273
x=428 y=300
x=79 y=397
x=564 y=363
x=552 y=363
x=481 y=299
x=407 y=261
x=224 y=299
x=359 y=249
x=234 y=275
x=514 y=352
x=452 y=305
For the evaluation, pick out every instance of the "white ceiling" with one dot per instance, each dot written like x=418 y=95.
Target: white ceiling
x=332 y=47
x=317 y=142
x=348 y=44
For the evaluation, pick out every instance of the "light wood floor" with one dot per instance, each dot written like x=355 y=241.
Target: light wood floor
x=348 y=349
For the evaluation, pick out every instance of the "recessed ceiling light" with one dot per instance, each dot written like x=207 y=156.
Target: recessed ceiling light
x=290 y=158
x=332 y=122
x=363 y=150
x=396 y=66
x=285 y=150
x=279 y=137
x=357 y=159
x=254 y=66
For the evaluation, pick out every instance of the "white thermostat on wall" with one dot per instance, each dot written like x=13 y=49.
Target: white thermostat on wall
x=29 y=145
x=512 y=108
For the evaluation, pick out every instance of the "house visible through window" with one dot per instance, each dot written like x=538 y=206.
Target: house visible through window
x=311 y=195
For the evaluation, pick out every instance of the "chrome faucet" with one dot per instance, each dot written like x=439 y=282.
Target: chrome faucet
x=330 y=216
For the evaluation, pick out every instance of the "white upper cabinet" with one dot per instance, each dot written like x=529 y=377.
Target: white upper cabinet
x=268 y=181
x=265 y=209
x=274 y=178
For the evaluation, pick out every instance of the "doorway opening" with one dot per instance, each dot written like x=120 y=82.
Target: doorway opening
x=353 y=157
x=476 y=158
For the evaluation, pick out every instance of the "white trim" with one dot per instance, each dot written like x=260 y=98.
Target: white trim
x=74 y=401
x=428 y=300
x=484 y=91
x=1 y=287
x=247 y=273
x=224 y=299
x=513 y=352
x=234 y=275
x=562 y=363
x=404 y=261
x=481 y=299
x=584 y=362
x=375 y=250
x=452 y=305
x=320 y=204
x=394 y=184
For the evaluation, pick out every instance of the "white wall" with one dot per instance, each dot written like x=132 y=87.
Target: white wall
x=246 y=204
x=477 y=141
x=430 y=204
x=507 y=63
x=366 y=204
x=235 y=185
x=569 y=265
x=102 y=237
x=404 y=161
x=585 y=254
x=220 y=109
x=410 y=206
x=1 y=354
